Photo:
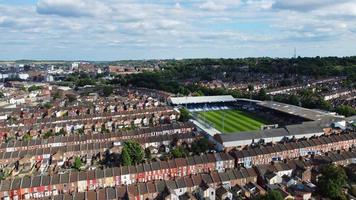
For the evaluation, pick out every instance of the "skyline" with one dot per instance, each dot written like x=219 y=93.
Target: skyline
x=162 y=29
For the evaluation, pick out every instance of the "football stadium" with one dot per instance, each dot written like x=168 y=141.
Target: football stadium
x=228 y=115
x=222 y=113
x=232 y=120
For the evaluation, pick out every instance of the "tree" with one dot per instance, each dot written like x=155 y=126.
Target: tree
x=2 y=95
x=346 y=110
x=201 y=146
x=178 y=152
x=125 y=157
x=184 y=115
x=262 y=94
x=271 y=195
x=2 y=175
x=148 y=154
x=110 y=159
x=104 y=129
x=274 y=195
x=61 y=132
x=250 y=88
x=134 y=151
x=332 y=180
x=47 y=134
x=81 y=131
x=47 y=105
x=27 y=137
x=85 y=81
x=57 y=94
x=77 y=163
x=107 y=90
x=294 y=99
x=71 y=97
x=34 y=88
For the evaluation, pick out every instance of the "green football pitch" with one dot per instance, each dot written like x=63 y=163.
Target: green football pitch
x=232 y=121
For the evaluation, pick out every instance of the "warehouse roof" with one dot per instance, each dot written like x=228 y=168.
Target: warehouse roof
x=202 y=99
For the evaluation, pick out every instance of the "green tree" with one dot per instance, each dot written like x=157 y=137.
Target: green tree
x=85 y=81
x=346 y=110
x=332 y=180
x=184 y=115
x=34 y=88
x=57 y=94
x=104 y=129
x=77 y=163
x=271 y=195
x=125 y=157
x=250 y=88
x=201 y=146
x=294 y=99
x=47 y=134
x=80 y=131
x=178 y=152
x=47 y=105
x=61 y=132
x=148 y=154
x=134 y=150
x=71 y=97
x=108 y=90
x=262 y=94
x=27 y=137
x=4 y=174
x=274 y=195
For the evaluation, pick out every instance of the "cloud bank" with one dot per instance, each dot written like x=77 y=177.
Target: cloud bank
x=136 y=29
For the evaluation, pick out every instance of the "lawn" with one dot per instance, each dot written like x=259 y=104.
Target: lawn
x=234 y=120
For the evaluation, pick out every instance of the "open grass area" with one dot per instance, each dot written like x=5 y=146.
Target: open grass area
x=234 y=120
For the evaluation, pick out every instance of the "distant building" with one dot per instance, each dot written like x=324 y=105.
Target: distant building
x=24 y=76
x=49 y=78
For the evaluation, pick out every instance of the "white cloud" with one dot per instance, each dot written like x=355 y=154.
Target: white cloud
x=218 y=5
x=71 y=8
x=96 y=27
x=6 y=22
x=303 y=5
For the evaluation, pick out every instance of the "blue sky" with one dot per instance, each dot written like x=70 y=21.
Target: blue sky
x=146 y=29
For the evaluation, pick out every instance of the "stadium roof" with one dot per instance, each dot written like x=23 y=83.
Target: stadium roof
x=298 y=130
x=306 y=113
x=202 y=99
x=250 y=135
x=351 y=118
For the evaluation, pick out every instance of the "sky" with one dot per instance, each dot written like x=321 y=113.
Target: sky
x=164 y=29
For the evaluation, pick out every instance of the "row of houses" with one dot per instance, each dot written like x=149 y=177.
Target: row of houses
x=85 y=108
x=100 y=178
x=201 y=186
x=95 y=124
x=165 y=170
x=133 y=113
x=294 y=178
x=61 y=153
x=231 y=184
x=281 y=151
x=58 y=141
x=343 y=158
